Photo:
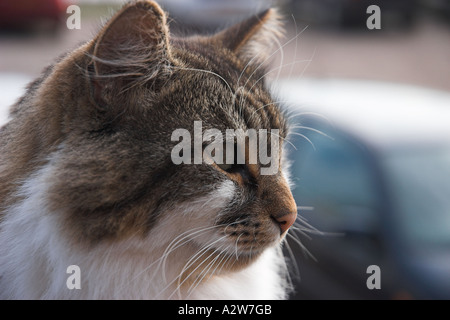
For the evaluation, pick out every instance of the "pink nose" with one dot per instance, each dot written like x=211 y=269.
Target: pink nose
x=285 y=221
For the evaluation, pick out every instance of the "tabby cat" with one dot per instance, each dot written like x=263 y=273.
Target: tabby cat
x=87 y=180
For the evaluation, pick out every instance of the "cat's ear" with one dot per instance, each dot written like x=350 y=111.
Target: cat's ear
x=253 y=38
x=132 y=47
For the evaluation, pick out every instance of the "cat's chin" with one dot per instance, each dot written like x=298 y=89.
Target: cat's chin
x=217 y=263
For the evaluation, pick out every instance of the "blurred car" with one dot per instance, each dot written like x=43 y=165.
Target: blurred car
x=373 y=161
x=212 y=14
x=439 y=7
x=23 y=13
x=352 y=13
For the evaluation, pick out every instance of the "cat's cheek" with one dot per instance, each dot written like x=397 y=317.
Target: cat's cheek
x=198 y=217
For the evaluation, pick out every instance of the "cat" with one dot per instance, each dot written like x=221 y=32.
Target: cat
x=86 y=177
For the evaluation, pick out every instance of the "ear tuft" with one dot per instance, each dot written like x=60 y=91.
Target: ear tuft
x=132 y=46
x=254 y=38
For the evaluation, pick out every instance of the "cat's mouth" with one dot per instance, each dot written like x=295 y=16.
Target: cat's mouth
x=226 y=248
x=213 y=262
x=252 y=241
x=243 y=241
x=236 y=244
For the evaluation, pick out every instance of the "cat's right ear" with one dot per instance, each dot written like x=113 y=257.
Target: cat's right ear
x=132 y=48
x=253 y=38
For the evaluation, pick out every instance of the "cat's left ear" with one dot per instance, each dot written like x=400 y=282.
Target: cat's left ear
x=253 y=38
x=132 y=46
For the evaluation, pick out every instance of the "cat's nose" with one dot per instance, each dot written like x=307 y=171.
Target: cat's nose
x=285 y=221
x=280 y=203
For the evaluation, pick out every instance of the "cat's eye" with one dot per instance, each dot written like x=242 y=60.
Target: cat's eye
x=240 y=169
x=225 y=167
x=234 y=167
x=237 y=169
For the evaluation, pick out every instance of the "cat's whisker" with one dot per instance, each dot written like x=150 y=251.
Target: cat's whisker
x=304 y=137
x=307 y=64
x=222 y=261
x=199 y=253
x=302 y=223
x=295 y=47
x=284 y=139
x=227 y=259
x=305 y=251
x=305 y=208
x=249 y=63
x=201 y=230
x=293 y=263
x=314 y=130
x=254 y=241
x=243 y=71
x=175 y=244
x=236 y=245
x=179 y=241
x=309 y=113
x=203 y=274
x=281 y=63
x=271 y=55
x=177 y=278
x=193 y=260
x=303 y=231
x=279 y=68
x=262 y=107
x=207 y=268
x=139 y=61
x=224 y=257
x=209 y=72
x=306 y=231
x=304 y=228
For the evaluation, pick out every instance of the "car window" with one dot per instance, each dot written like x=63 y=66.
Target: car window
x=419 y=185
x=337 y=179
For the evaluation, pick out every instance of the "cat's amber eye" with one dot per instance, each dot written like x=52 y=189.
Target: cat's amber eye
x=229 y=167
x=225 y=166
x=234 y=168
x=237 y=170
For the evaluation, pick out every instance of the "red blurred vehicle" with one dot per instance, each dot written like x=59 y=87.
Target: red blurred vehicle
x=24 y=13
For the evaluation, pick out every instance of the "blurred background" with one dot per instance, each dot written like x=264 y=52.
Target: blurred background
x=370 y=149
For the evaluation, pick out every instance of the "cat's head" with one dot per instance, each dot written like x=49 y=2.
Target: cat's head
x=118 y=100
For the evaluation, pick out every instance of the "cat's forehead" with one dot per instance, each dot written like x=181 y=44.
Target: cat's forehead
x=214 y=85
x=200 y=54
